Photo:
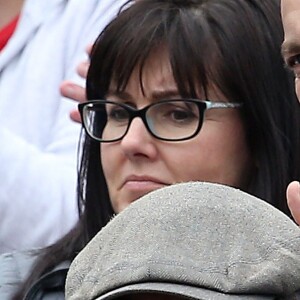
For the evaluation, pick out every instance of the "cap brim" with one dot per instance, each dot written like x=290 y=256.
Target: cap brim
x=178 y=290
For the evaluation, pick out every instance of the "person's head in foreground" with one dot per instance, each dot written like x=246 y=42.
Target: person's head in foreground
x=290 y=10
x=183 y=90
x=191 y=241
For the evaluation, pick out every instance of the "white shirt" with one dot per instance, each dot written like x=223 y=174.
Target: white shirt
x=38 y=141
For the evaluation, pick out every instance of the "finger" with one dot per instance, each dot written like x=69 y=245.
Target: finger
x=73 y=91
x=293 y=200
x=75 y=116
x=88 y=49
x=82 y=68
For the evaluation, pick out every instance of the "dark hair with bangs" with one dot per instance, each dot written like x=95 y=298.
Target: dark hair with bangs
x=234 y=44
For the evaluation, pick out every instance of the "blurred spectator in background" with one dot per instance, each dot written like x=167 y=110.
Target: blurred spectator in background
x=38 y=139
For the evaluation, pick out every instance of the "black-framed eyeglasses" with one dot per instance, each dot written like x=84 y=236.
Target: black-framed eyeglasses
x=168 y=120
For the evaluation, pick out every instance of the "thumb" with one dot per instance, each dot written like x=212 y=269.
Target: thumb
x=293 y=200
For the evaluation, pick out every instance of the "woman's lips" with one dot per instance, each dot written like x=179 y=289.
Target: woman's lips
x=139 y=186
x=142 y=185
x=138 y=189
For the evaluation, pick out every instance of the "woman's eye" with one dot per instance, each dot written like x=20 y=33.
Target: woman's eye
x=118 y=114
x=180 y=115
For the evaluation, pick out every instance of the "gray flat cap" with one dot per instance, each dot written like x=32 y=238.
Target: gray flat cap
x=198 y=240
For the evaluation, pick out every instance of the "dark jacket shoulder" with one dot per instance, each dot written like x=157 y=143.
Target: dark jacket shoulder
x=16 y=266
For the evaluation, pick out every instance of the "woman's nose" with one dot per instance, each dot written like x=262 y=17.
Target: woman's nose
x=138 y=141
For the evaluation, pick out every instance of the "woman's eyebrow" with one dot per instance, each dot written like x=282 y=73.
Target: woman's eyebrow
x=154 y=95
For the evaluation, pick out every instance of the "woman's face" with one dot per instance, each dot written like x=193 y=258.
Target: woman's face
x=140 y=163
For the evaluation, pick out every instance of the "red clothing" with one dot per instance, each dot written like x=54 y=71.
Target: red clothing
x=7 y=31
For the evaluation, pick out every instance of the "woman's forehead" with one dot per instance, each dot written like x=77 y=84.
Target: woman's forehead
x=156 y=72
